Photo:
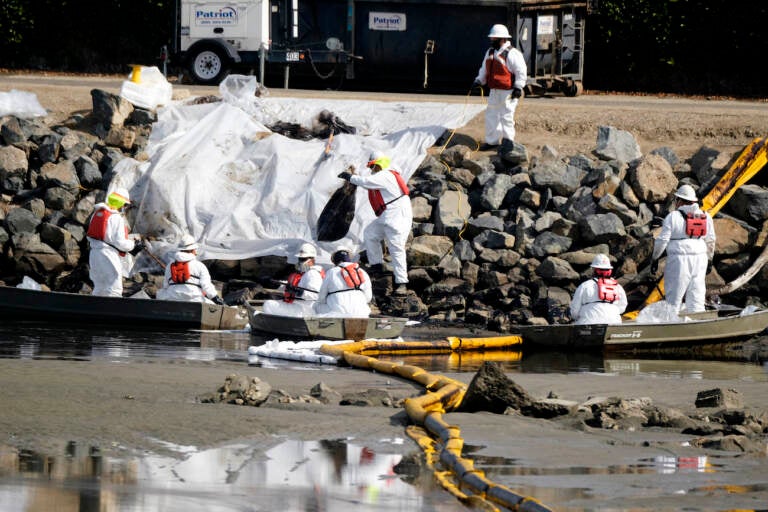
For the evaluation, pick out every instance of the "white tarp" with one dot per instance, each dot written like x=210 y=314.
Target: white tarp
x=215 y=170
x=20 y=104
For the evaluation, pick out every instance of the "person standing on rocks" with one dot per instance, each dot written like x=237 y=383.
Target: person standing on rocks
x=601 y=300
x=688 y=236
x=300 y=290
x=186 y=279
x=505 y=73
x=108 y=239
x=346 y=290
x=389 y=198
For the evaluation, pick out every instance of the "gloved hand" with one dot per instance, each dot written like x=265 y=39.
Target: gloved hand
x=138 y=246
x=654 y=267
x=345 y=175
x=517 y=92
x=218 y=300
x=476 y=84
x=709 y=266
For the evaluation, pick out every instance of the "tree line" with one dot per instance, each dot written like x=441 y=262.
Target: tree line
x=711 y=47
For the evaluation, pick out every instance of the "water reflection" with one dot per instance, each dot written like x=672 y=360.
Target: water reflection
x=29 y=340
x=291 y=476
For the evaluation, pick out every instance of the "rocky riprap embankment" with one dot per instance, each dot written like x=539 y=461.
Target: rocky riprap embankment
x=495 y=241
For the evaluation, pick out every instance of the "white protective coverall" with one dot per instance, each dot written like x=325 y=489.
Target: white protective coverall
x=393 y=225
x=587 y=308
x=106 y=269
x=686 y=269
x=500 y=113
x=199 y=288
x=337 y=299
x=302 y=306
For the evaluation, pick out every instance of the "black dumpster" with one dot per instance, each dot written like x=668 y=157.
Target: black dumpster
x=434 y=46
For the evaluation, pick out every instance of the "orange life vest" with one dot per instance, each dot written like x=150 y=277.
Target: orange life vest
x=97 y=228
x=607 y=289
x=180 y=272
x=292 y=287
x=353 y=278
x=497 y=75
x=377 y=202
x=695 y=224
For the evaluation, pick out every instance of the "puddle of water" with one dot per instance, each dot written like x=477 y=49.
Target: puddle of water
x=700 y=483
x=328 y=475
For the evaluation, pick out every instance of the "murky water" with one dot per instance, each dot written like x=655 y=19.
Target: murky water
x=338 y=475
x=325 y=475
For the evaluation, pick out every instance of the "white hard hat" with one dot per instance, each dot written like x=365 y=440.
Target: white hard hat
x=687 y=193
x=307 y=251
x=601 y=261
x=499 y=31
x=188 y=243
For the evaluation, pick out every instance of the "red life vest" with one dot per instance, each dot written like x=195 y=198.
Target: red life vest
x=291 y=287
x=497 y=76
x=180 y=272
x=695 y=224
x=607 y=289
x=377 y=202
x=352 y=276
x=97 y=228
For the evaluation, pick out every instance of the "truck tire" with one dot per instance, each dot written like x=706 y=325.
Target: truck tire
x=208 y=64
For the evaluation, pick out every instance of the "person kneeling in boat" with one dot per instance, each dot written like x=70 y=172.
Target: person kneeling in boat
x=301 y=288
x=601 y=300
x=187 y=279
x=109 y=242
x=346 y=290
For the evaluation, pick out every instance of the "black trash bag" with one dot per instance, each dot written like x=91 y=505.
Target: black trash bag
x=327 y=123
x=338 y=214
x=291 y=130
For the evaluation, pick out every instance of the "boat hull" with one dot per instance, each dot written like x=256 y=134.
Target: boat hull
x=72 y=308
x=649 y=336
x=326 y=328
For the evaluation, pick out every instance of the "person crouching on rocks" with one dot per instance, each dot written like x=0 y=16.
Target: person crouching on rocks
x=346 y=290
x=601 y=300
x=186 y=279
x=301 y=287
x=109 y=241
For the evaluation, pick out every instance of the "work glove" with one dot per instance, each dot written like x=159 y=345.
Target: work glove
x=138 y=246
x=218 y=300
x=709 y=266
x=654 y=267
x=517 y=92
x=345 y=175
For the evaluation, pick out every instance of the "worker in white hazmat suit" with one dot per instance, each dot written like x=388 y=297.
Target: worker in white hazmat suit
x=186 y=279
x=505 y=73
x=109 y=242
x=601 y=300
x=389 y=197
x=346 y=289
x=688 y=235
x=301 y=288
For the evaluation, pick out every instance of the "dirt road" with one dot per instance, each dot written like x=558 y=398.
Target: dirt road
x=567 y=124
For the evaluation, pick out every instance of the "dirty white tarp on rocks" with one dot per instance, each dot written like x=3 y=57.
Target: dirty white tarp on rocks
x=216 y=170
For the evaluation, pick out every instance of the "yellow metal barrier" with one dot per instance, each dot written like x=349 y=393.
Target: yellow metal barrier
x=750 y=162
